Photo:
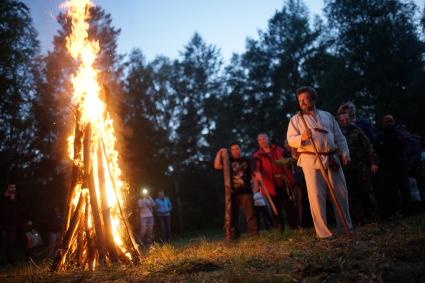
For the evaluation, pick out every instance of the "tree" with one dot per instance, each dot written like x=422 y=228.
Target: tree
x=148 y=108
x=382 y=55
x=231 y=123
x=196 y=84
x=171 y=112
x=18 y=47
x=275 y=67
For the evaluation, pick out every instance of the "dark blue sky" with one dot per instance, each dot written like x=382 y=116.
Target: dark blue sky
x=163 y=27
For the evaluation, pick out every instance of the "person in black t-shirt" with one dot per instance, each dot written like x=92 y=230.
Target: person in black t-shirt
x=241 y=189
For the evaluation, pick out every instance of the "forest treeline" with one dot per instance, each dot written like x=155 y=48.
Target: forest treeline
x=172 y=114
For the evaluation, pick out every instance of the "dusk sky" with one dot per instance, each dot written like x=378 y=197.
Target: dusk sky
x=164 y=27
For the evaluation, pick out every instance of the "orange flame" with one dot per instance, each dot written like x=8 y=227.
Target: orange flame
x=86 y=97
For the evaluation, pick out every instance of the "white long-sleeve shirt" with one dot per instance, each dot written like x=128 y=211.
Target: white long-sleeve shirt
x=332 y=140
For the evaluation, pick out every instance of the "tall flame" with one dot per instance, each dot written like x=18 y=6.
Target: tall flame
x=87 y=99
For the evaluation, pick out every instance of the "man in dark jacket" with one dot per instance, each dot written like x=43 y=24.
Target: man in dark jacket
x=359 y=172
x=391 y=148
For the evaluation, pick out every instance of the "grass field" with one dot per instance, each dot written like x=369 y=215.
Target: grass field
x=389 y=252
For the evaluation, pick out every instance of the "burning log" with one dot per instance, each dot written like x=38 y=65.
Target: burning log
x=110 y=245
x=76 y=171
x=136 y=251
x=93 y=195
x=90 y=241
x=68 y=237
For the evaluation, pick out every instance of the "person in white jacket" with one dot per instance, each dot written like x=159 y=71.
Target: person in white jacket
x=332 y=148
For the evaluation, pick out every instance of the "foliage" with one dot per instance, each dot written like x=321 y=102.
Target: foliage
x=18 y=48
x=381 y=55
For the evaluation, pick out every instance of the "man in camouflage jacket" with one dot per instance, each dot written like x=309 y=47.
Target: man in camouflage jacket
x=359 y=172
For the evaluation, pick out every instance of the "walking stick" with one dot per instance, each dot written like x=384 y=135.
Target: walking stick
x=268 y=197
x=326 y=177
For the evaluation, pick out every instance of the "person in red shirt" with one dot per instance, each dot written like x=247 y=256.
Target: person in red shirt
x=277 y=180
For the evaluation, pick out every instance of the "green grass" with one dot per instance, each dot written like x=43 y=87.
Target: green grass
x=389 y=252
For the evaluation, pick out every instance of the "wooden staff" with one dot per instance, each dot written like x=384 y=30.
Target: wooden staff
x=268 y=197
x=227 y=194
x=326 y=177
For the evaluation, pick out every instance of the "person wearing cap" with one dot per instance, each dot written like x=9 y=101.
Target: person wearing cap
x=333 y=152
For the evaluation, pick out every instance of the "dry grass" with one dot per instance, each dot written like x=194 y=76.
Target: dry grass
x=391 y=252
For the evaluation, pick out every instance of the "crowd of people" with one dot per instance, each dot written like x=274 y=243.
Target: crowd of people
x=368 y=175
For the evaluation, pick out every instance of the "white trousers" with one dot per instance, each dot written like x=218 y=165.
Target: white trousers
x=317 y=195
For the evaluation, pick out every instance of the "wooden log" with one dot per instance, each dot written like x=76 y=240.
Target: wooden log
x=76 y=172
x=122 y=257
x=81 y=240
x=110 y=245
x=137 y=255
x=71 y=258
x=68 y=237
x=88 y=172
x=227 y=194
x=81 y=256
x=89 y=237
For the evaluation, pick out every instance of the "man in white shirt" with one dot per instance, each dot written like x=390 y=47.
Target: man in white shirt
x=330 y=142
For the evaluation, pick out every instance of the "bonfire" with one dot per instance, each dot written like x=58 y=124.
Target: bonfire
x=96 y=230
